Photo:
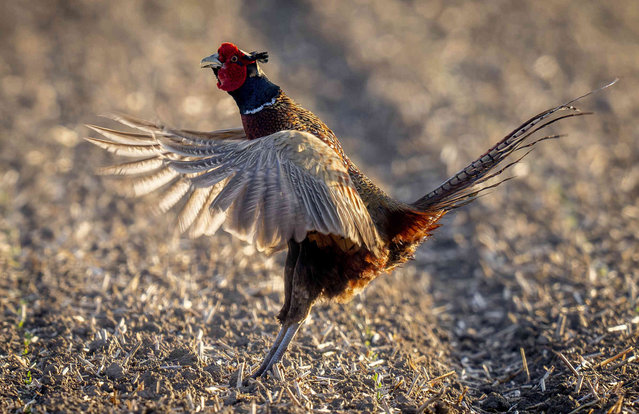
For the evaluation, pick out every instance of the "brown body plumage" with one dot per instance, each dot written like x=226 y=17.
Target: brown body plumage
x=346 y=268
x=283 y=180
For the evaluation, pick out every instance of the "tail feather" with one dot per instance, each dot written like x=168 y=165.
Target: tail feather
x=464 y=186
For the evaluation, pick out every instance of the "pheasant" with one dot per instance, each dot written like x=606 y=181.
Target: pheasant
x=284 y=181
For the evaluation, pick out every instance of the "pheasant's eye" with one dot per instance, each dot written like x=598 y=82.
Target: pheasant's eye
x=234 y=59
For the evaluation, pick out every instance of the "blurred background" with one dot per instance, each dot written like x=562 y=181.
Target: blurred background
x=406 y=85
x=414 y=89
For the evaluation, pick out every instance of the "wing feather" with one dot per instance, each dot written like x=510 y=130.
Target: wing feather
x=249 y=206
x=126 y=150
x=210 y=178
x=194 y=205
x=265 y=191
x=147 y=184
x=173 y=195
x=123 y=137
x=134 y=167
x=207 y=220
x=232 y=189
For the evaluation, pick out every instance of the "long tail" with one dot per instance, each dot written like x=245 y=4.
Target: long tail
x=465 y=186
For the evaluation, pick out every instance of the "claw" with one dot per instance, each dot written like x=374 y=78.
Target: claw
x=276 y=352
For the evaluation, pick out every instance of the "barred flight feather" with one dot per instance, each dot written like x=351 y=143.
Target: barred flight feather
x=266 y=191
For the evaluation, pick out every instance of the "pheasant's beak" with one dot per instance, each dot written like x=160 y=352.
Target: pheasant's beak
x=212 y=62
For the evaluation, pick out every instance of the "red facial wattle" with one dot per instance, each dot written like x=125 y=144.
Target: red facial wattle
x=232 y=74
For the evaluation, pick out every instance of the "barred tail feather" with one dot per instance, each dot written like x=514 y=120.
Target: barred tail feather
x=463 y=187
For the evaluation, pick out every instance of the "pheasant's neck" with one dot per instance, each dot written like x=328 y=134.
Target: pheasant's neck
x=256 y=94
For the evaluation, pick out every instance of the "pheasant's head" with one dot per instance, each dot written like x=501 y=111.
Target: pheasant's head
x=232 y=66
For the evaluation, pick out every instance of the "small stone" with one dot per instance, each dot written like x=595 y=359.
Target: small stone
x=114 y=371
x=542 y=340
x=97 y=345
x=495 y=403
x=182 y=356
x=215 y=371
x=230 y=399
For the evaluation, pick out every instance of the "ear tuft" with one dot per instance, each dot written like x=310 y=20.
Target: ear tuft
x=261 y=57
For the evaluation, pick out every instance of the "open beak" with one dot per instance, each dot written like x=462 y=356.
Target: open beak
x=211 y=62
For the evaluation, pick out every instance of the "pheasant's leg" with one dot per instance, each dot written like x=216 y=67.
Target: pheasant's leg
x=301 y=296
x=291 y=261
x=290 y=332
x=266 y=363
x=289 y=269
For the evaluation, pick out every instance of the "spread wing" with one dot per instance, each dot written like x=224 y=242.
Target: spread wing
x=265 y=191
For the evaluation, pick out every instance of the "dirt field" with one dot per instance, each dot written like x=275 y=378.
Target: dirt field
x=104 y=307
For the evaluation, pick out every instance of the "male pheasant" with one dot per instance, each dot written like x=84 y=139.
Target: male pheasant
x=283 y=180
